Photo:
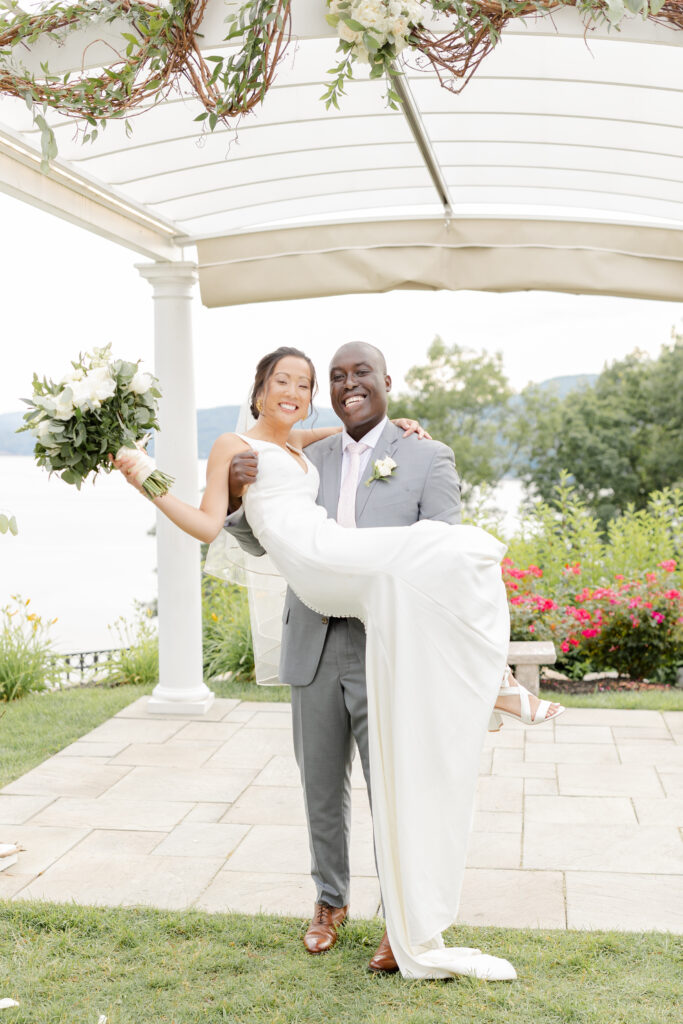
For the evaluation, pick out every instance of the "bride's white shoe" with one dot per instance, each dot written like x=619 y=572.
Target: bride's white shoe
x=511 y=688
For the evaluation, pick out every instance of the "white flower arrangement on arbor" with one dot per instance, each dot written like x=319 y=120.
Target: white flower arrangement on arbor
x=372 y=32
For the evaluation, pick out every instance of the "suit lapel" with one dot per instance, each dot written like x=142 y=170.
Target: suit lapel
x=330 y=477
x=388 y=440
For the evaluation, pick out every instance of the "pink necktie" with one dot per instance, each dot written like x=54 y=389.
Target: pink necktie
x=346 y=510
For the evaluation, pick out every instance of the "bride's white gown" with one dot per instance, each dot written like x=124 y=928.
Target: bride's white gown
x=433 y=603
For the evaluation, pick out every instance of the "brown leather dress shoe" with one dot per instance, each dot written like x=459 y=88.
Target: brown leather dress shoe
x=322 y=931
x=383 y=960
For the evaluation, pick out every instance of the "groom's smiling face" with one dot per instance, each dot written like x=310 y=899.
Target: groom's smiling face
x=359 y=386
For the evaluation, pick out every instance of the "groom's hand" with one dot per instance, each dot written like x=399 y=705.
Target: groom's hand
x=243 y=472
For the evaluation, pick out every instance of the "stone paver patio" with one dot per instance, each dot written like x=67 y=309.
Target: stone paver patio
x=579 y=824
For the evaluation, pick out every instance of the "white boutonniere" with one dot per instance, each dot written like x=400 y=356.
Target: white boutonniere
x=382 y=469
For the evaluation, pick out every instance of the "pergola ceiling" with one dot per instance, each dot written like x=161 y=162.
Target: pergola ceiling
x=553 y=130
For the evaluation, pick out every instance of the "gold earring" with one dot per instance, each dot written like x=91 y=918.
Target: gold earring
x=259 y=405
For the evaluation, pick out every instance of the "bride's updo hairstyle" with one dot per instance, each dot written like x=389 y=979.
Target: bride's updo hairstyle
x=266 y=368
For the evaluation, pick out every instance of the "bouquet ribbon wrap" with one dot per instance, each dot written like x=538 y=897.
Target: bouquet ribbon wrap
x=153 y=483
x=143 y=464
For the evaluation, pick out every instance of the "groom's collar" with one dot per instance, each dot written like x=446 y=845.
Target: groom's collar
x=370 y=439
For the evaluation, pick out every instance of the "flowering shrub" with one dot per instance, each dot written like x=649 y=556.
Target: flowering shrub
x=226 y=628
x=26 y=655
x=137 y=659
x=632 y=626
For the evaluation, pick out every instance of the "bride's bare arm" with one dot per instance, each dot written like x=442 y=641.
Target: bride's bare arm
x=302 y=438
x=205 y=522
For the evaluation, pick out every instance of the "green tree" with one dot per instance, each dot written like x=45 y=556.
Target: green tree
x=619 y=440
x=462 y=397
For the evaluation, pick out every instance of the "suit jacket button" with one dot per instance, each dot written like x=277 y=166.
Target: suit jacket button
x=324 y=620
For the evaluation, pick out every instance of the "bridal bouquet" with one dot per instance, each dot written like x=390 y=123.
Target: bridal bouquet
x=102 y=407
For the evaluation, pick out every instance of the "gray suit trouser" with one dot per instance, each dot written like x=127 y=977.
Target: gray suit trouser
x=328 y=715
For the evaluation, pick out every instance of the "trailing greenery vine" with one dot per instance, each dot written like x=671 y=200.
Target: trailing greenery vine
x=160 y=50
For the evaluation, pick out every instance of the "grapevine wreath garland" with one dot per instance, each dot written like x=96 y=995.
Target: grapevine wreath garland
x=161 y=50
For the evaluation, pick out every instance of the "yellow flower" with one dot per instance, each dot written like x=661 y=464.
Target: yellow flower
x=214 y=616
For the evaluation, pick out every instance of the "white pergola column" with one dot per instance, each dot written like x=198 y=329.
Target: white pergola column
x=181 y=688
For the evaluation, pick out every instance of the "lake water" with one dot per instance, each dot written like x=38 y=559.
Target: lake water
x=86 y=556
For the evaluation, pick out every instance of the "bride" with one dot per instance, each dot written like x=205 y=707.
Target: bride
x=434 y=607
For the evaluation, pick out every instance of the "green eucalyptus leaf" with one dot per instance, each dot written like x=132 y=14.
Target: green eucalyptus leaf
x=354 y=25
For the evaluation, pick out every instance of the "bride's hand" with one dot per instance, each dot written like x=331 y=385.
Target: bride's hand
x=411 y=427
x=126 y=464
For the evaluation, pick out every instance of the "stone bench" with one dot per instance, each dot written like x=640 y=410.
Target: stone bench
x=526 y=658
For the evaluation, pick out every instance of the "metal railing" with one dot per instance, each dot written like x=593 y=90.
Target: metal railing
x=85 y=668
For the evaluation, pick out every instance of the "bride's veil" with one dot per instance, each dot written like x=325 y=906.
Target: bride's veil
x=265 y=587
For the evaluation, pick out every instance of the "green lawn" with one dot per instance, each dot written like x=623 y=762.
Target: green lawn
x=650 y=700
x=69 y=965
x=40 y=724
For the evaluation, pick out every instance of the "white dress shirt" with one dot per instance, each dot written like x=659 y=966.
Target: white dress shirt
x=370 y=439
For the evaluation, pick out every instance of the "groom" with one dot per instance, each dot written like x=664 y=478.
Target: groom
x=323 y=660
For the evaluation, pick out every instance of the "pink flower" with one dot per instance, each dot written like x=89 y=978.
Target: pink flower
x=590 y=632
x=671 y=595
x=573 y=641
x=532 y=628
x=669 y=565
x=564 y=646
x=657 y=616
x=651 y=577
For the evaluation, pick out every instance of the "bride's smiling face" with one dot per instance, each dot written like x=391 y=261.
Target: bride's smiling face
x=286 y=394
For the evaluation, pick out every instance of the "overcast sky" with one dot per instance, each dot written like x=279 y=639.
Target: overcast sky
x=64 y=290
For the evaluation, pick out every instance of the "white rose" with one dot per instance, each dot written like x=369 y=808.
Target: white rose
x=414 y=12
x=69 y=378
x=96 y=387
x=400 y=28
x=63 y=405
x=370 y=14
x=141 y=383
x=41 y=430
x=348 y=34
x=385 y=466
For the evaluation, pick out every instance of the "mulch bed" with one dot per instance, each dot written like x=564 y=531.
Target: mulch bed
x=601 y=685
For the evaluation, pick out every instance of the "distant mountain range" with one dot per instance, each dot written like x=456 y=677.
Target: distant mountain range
x=212 y=422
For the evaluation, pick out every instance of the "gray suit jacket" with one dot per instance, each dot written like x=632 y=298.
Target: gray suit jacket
x=424 y=485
